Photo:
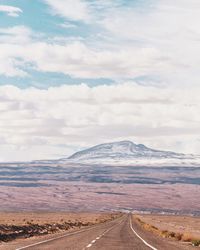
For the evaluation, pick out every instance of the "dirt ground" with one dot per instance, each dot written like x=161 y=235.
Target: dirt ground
x=24 y=218
x=186 y=225
x=15 y=226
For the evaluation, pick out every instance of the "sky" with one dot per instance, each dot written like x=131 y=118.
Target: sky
x=76 y=73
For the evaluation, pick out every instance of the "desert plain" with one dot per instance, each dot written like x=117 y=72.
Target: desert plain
x=68 y=187
x=40 y=199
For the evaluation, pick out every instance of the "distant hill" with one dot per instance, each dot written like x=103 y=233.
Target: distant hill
x=127 y=152
x=122 y=150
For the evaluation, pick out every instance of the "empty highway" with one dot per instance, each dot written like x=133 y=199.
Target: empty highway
x=120 y=234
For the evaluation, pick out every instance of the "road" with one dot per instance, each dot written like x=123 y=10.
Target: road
x=120 y=234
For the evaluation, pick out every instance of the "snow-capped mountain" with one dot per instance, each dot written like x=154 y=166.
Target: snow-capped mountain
x=127 y=152
x=122 y=149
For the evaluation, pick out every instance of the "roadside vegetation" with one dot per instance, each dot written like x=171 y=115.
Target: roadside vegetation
x=185 y=237
x=28 y=228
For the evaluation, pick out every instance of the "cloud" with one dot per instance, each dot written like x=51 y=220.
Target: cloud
x=161 y=43
x=75 y=58
x=78 y=116
x=68 y=25
x=10 y=10
x=12 y=41
x=155 y=44
x=83 y=10
x=72 y=9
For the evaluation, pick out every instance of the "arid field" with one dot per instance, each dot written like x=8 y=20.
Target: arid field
x=15 y=226
x=53 y=187
x=180 y=228
x=42 y=218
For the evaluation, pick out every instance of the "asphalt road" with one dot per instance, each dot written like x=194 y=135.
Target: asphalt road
x=120 y=234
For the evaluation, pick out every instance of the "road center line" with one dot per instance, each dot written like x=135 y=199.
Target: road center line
x=147 y=244
x=56 y=238
x=59 y=237
x=100 y=236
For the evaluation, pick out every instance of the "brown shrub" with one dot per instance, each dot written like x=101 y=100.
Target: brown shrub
x=178 y=236
x=196 y=243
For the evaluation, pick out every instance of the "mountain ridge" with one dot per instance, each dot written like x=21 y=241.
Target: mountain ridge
x=122 y=150
x=126 y=153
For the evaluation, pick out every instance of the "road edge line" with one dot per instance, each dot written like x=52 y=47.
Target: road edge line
x=62 y=236
x=146 y=243
x=52 y=239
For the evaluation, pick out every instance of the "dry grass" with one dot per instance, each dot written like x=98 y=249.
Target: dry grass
x=40 y=218
x=26 y=225
x=166 y=233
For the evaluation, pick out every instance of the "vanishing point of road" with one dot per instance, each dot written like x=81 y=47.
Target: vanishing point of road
x=120 y=234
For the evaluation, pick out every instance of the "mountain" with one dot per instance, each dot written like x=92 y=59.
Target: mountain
x=122 y=150
x=127 y=152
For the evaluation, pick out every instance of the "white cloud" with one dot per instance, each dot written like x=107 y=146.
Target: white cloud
x=160 y=40
x=71 y=9
x=169 y=27
x=80 y=116
x=68 y=25
x=74 y=58
x=12 y=41
x=10 y=10
x=83 y=10
x=15 y=35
